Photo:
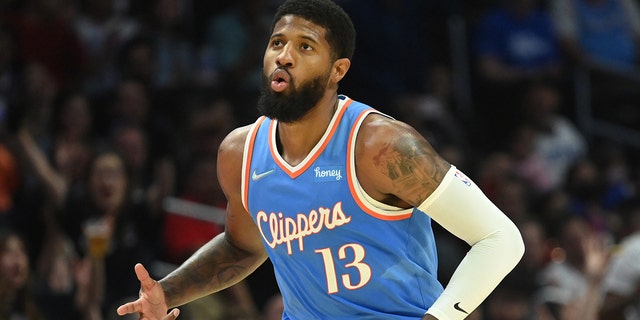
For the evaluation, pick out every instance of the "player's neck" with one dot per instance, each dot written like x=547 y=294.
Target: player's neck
x=297 y=139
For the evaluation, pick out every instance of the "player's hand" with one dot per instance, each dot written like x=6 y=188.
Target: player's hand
x=152 y=304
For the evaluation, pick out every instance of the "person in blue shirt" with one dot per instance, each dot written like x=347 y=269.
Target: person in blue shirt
x=516 y=41
x=599 y=32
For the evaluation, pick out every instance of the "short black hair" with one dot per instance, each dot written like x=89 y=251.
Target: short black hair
x=341 y=33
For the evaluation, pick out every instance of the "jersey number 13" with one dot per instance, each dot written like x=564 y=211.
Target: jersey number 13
x=330 y=267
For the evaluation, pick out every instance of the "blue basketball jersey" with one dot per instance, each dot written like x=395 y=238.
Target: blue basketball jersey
x=337 y=253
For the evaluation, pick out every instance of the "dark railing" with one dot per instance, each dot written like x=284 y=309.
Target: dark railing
x=608 y=102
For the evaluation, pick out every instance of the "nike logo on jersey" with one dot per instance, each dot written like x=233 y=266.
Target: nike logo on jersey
x=457 y=307
x=257 y=176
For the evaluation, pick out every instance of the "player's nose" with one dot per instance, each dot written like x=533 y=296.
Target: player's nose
x=285 y=57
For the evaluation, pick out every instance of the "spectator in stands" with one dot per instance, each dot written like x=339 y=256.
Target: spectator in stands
x=513 y=44
x=602 y=39
x=588 y=191
x=34 y=143
x=67 y=286
x=138 y=105
x=571 y=282
x=621 y=285
x=60 y=166
x=17 y=299
x=152 y=178
x=130 y=230
x=526 y=163
x=617 y=177
x=557 y=140
x=516 y=41
x=598 y=31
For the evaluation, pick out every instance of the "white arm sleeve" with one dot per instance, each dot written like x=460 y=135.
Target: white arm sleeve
x=460 y=207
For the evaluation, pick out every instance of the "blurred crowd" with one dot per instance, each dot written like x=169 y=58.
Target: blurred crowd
x=111 y=112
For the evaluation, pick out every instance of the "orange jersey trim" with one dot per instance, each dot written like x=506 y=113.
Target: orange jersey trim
x=297 y=171
x=247 y=158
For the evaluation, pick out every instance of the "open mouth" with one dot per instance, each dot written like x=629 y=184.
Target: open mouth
x=280 y=80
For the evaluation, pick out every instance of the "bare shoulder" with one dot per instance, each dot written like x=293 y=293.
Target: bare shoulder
x=230 y=155
x=234 y=141
x=377 y=127
x=393 y=160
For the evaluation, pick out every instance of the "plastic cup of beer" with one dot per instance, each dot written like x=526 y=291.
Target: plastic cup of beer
x=97 y=235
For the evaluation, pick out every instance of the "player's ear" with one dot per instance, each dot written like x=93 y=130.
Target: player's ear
x=340 y=68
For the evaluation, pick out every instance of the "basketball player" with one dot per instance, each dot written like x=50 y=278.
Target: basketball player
x=339 y=197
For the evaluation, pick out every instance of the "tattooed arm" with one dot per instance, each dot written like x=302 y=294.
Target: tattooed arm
x=395 y=164
x=220 y=263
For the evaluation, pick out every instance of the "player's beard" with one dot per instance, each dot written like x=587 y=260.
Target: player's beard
x=293 y=105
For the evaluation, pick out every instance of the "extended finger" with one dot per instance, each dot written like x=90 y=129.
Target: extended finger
x=130 y=307
x=143 y=275
x=172 y=315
